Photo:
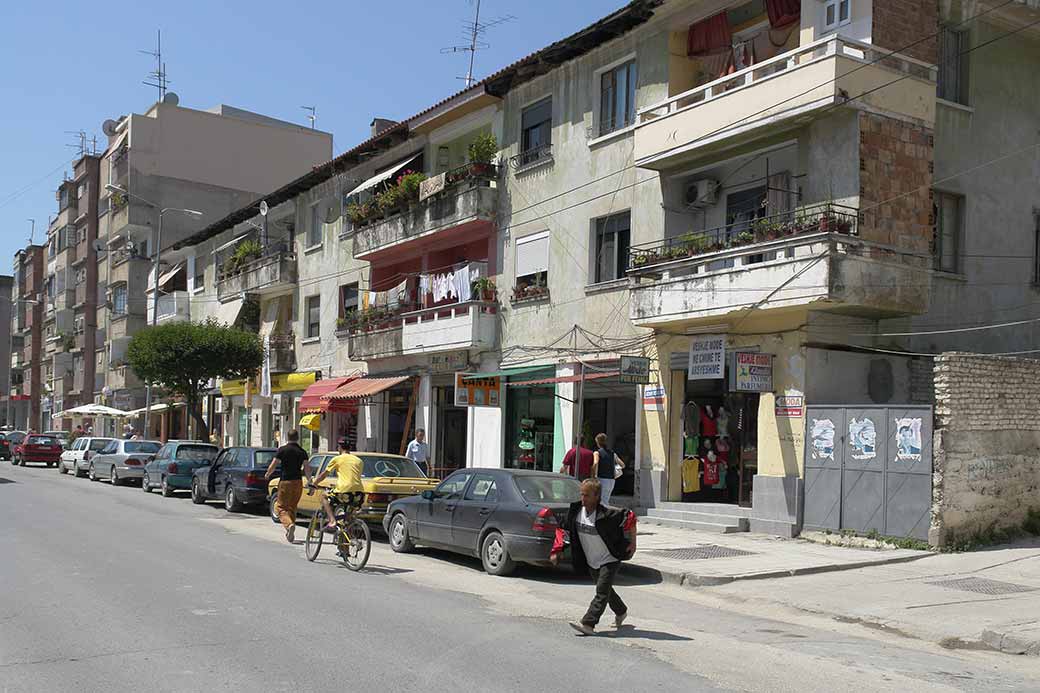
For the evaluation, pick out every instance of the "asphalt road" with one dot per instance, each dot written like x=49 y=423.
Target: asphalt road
x=109 y=589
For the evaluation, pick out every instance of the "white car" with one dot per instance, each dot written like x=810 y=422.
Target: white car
x=77 y=458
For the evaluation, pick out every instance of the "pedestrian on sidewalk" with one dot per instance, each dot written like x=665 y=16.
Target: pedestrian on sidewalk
x=605 y=538
x=603 y=466
x=584 y=461
x=419 y=451
x=293 y=460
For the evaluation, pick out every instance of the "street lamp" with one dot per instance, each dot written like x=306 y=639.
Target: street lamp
x=155 y=296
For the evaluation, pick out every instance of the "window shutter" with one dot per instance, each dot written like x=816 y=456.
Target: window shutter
x=532 y=254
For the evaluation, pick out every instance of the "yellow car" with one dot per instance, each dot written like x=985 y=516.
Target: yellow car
x=385 y=478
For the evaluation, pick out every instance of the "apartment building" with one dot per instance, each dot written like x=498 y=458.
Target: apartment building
x=6 y=344
x=185 y=168
x=27 y=308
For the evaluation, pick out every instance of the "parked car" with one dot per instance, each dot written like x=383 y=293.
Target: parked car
x=13 y=439
x=385 y=478
x=62 y=436
x=5 y=446
x=122 y=460
x=503 y=516
x=236 y=475
x=173 y=467
x=38 y=448
x=77 y=458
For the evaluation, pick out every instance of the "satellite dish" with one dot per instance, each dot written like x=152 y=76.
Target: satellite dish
x=109 y=127
x=171 y=99
x=331 y=214
x=263 y=208
x=131 y=249
x=99 y=245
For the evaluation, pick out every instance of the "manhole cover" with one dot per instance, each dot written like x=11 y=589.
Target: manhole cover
x=697 y=553
x=983 y=586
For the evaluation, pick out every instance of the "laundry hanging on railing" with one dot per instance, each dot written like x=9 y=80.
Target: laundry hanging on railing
x=455 y=286
x=391 y=298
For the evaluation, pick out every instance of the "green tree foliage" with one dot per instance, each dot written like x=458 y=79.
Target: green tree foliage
x=184 y=356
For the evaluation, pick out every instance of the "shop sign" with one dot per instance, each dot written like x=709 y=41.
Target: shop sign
x=473 y=391
x=635 y=370
x=450 y=362
x=432 y=186
x=707 y=357
x=789 y=406
x=752 y=372
x=653 y=398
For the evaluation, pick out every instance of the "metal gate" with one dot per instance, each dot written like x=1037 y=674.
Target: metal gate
x=869 y=468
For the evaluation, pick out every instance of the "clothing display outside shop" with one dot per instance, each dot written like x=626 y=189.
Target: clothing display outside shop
x=718 y=446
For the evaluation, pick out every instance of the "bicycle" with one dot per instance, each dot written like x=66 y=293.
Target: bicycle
x=353 y=537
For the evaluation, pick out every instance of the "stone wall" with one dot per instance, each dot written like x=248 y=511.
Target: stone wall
x=907 y=26
x=986 y=446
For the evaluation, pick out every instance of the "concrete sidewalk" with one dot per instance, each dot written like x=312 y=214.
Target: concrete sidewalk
x=695 y=558
x=988 y=599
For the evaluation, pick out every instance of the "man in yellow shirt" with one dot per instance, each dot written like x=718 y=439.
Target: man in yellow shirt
x=347 y=469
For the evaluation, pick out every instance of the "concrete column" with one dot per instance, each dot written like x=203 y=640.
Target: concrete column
x=424 y=407
x=567 y=411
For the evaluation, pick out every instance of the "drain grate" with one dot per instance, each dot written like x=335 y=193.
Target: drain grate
x=983 y=586
x=699 y=553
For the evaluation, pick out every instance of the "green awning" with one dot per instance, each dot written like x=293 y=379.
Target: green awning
x=506 y=372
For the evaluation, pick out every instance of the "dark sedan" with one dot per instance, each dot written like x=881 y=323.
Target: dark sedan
x=504 y=516
x=236 y=476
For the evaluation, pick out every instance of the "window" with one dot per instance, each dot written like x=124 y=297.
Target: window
x=611 y=244
x=953 y=66
x=196 y=273
x=314 y=228
x=617 y=98
x=532 y=261
x=454 y=485
x=119 y=300
x=483 y=489
x=81 y=191
x=836 y=13
x=348 y=300
x=1036 y=247
x=536 y=132
x=947 y=212
x=313 y=317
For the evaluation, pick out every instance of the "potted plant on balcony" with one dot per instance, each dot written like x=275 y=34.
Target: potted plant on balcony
x=485 y=288
x=482 y=151
x=408 y=186
x=359 y=213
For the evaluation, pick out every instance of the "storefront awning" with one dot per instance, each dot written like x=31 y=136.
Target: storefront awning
x=312 y=422
x=280 y=382
x=362 y=388
x=227 y=313
x=311 y=402
x=382 y=176
x=506 y=372
x=564 y=379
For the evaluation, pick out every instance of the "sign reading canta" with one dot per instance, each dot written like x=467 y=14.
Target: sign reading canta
x=431 y=186
x=752 y=372
x=707 y=357
x=473 y=391
x=635 y=370
x=653 y=398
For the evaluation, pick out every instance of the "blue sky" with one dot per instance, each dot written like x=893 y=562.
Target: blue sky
x=69 y=65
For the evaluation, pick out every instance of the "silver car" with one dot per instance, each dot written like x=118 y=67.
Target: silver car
x=121 y=460
x=77 y=458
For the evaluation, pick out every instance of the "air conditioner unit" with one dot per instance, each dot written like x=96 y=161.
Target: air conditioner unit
x=702 y=193
x=276 y=405
x=218 y=405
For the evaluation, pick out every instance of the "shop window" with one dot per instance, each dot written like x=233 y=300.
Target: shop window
x=536 y=132
x=952 y=83
x=947 y=212
x=617 y=97
x=611 y=243
x=532 y=265
x=313 y=317
x=836 y=13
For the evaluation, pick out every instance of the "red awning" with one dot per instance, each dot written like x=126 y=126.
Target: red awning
x=312 y=402
x=361 y=388
x=563 y=379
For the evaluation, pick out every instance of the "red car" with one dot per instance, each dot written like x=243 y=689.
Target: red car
x=37 y=448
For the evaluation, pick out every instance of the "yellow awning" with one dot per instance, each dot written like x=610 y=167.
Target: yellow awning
x=312 y=422
x=280 y=382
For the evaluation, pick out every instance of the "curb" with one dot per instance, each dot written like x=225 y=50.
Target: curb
x=1011 y=643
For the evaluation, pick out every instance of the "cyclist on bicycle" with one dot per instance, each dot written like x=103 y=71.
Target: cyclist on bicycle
x=348 y=489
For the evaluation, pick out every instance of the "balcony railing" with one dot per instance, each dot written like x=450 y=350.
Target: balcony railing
x=172 y=307
x=541 y=154
x=455 y=326
x=822 y=218
x=273 y=272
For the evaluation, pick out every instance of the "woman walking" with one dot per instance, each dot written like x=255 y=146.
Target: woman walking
x=603 y=461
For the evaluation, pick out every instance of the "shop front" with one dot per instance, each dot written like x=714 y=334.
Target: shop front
x=252 y=420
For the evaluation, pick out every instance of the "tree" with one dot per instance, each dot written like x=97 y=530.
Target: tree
x=184 y=356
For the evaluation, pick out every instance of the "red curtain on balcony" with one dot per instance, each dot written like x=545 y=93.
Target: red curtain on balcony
x=711 y=35
x=783 y=12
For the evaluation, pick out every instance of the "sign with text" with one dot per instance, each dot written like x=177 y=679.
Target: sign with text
x=789 y=406
x=635 y=370
x=707 y=357
x=431 y=186
x=473 y=391
x=653 y=398
x=449 y=362
x=752 y=372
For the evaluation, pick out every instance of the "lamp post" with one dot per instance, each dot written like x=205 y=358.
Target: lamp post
x=155 y=296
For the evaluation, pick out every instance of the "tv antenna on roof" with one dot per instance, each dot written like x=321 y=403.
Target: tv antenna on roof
x=81 y=144
x=312 y=112
x=157 y=77
x=474 y=31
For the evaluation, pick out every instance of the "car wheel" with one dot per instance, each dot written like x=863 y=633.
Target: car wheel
x=196 y=493
x=113 y=477
x=400 y=542
x=90 y=474
x=50 y=464
x=494 y=556
x=144 y=484
x=272 y=507
x=231 y=502
x=167 y=492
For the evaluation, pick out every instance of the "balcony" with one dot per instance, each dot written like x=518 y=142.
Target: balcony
x=172 y=307
x=270 y=274
x=122 y=377
x=283 y=353
x=453 y=327
x=782 y=93
x=467 y=201
x=811 y=258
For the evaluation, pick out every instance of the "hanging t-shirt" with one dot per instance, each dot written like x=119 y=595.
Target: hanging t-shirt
x=722 y=448
x=711 y=472
x=691 y=445
x=709 y=429
x=691 y=420
x=722 y=421
x=721 y=472
x=597 y=554
x=691 y=473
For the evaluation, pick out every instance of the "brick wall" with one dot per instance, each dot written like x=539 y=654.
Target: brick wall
x=899 y=23
x=986 y=445
x=895 y=160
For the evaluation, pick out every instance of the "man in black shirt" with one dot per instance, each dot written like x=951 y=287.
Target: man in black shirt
x=293 y=460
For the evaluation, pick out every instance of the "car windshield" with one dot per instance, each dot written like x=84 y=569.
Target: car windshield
x=547 y=489
x=145 y=446
x=262 y=459
x=99 y=444
x=196 y=453
x=16 y=437
x=42 y=440
x=380 y=465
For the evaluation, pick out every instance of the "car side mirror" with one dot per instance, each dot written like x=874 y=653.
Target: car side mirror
x=429 y=494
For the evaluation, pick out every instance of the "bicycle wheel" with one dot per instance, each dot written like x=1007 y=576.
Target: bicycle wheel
x=315 y=535
x=355 y=543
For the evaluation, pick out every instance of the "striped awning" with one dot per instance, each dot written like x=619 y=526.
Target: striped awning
x=564 y=379
x=362 y=388
x=312 y=400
